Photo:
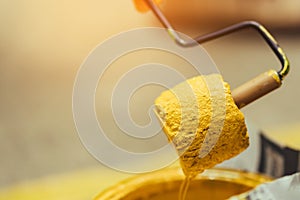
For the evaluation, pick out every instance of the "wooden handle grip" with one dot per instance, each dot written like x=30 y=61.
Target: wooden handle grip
x=256 y=88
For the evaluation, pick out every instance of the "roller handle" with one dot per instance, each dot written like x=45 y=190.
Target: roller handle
x=256 y=88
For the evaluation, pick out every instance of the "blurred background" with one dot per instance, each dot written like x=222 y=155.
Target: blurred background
x=43 y=44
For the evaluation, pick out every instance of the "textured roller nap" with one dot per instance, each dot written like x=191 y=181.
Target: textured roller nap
x=201 y=119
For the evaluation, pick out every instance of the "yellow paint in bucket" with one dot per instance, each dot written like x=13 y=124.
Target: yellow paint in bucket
x=212 y=184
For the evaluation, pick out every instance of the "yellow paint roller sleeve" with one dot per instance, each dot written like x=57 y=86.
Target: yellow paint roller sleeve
x=201 y=119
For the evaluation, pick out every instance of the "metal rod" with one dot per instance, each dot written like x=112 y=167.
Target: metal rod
x=285 y=66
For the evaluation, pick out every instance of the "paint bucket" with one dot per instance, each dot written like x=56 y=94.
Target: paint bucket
x=164 y=184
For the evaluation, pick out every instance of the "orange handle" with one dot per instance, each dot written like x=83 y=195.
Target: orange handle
x=142 y=5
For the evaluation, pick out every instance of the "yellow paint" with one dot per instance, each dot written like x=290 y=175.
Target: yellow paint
x=274 y=75
x=189 y=105
x=184 y=188
x=286 y=68
x=216 y=184
x=268 y=34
